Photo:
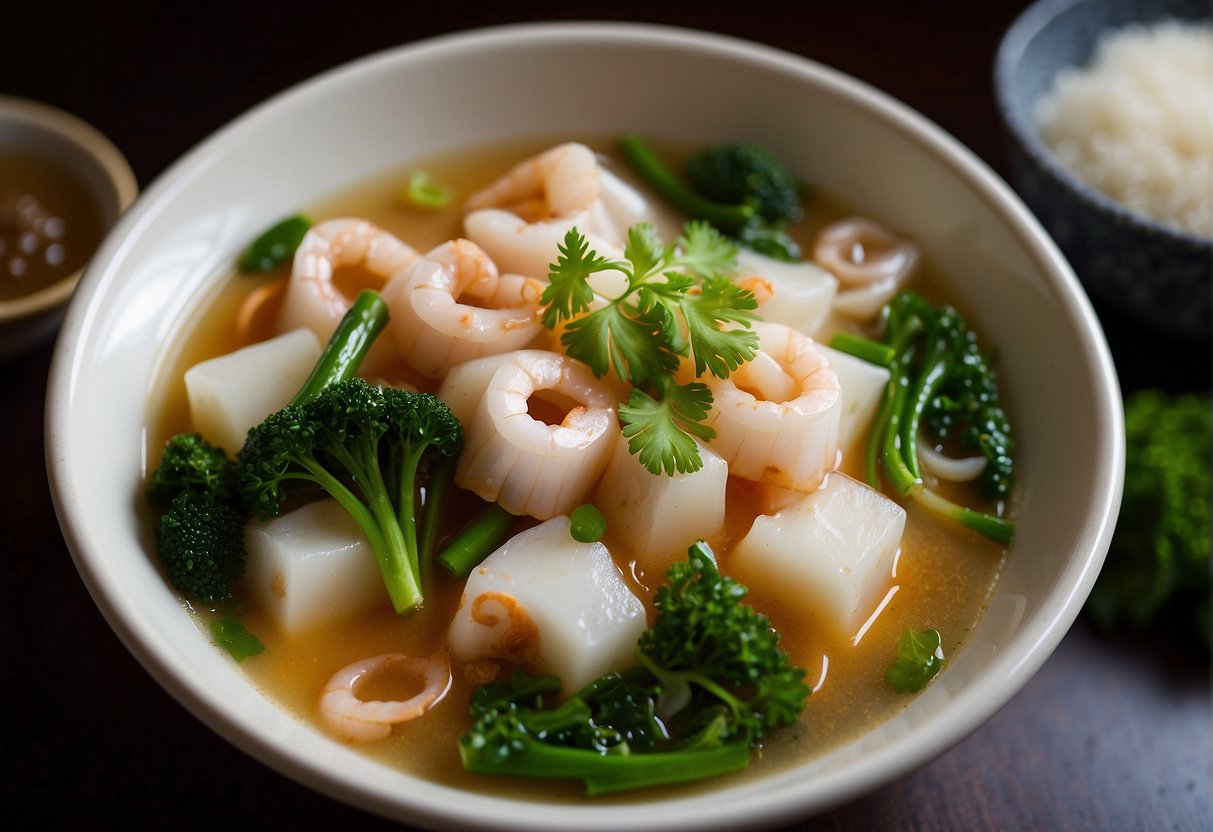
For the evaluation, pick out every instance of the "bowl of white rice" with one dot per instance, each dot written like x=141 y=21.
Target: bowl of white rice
x=1108 y=106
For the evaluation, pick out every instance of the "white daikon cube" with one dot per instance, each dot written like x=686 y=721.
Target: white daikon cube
x=549 y=602
x=231 y=393
x=311 y=566
x=862 y=384
x=830 y=554
x=801 y=293
x=658 y=517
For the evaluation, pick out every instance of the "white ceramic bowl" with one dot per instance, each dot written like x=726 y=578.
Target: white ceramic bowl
x=80 y=150
x=566 y=80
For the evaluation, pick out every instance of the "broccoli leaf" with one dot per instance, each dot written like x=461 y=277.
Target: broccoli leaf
x=229 y=633
x=919 y=659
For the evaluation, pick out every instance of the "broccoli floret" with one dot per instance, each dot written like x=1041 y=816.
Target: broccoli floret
x=707 y=644
x=1157 y=566
x=191 y=465
x=741 y=189
x=746 y=173
x=336 y=440
x=200 y=536
x=201 y=543
x=711 y=681
x=942 y=385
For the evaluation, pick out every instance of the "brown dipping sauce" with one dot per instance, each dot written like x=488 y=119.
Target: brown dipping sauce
x=49 y=224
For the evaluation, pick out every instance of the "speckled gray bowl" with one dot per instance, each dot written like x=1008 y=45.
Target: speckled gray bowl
x=1155 y=274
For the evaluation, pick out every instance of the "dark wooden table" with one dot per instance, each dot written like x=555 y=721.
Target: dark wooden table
x=1113 y=734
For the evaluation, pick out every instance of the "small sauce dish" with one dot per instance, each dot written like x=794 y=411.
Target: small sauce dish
x=63 y=185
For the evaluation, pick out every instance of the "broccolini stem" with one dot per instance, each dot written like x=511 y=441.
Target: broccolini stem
x=406 y=501
x=435 y=494
x=606 y=773
x=995 y=528
x=921 y=366
x=477 y=540
x=400 y=574
x=895 y=468
x=363 y=321
x=646 y=163
x=377 y=519
x=880 y=424
x=873 y=352
x=941 y=337
x=891 y=453
x=924 y=388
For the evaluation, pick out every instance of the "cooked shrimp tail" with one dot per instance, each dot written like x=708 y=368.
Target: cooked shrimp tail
x=533 y=465
x=315 y=298
x=365 y=720
x=522 y=218
x=776 y=418
x=454 y=306
x=870 y=262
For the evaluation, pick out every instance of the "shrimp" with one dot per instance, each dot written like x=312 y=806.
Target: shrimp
x=776 y=417
x=870 y=262
x=316 y=301
x=522 y=218
x=367 y=720
x=454 y=306
x=530 y=465
x=496 y=627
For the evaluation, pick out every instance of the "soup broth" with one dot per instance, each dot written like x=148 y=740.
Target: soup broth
x=943 y=576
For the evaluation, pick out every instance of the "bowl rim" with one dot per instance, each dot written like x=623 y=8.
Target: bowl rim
x=91 y=143
x=1026 y=26
x=474 y=810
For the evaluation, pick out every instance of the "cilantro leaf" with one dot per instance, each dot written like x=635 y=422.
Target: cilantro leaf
x=568 y=293
x=644 y=250
x=676 y=303
x=662 y=433
x=610 y=338
x=717 y=349
x=704 y=250
x=919 y=659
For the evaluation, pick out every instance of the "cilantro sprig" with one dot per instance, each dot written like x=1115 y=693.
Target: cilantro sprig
x=676 y=303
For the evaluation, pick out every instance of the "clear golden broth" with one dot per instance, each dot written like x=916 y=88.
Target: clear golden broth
x=944 y=574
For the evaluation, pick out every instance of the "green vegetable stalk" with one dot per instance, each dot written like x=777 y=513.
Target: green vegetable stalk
x=276 y=245
x=336 y=440
x=477 y=540
x=941 y=385
x=740 y=188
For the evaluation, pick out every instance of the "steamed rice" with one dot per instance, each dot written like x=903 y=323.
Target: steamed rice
x=1138 y=123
